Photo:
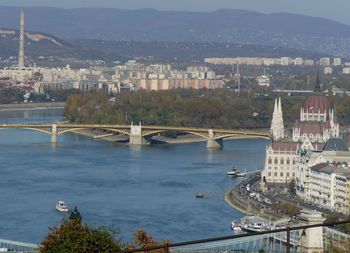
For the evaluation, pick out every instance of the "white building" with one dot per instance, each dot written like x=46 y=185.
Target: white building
x=334 y=151
x=328 y=70
x=337 y=61
x=329 y=186
x=325 y=61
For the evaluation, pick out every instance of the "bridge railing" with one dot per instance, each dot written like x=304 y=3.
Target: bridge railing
x=284 y=240
x=13 y=246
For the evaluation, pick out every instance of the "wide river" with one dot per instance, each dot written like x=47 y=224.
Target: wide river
x=116 y=185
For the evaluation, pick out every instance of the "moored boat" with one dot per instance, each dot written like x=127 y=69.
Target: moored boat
x=199 y=195
x=232 y=173
x=61 y=206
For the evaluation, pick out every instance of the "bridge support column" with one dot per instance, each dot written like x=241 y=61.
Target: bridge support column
x=136 y=135
x=54 y=133
x=212 y=142
x=312 y=238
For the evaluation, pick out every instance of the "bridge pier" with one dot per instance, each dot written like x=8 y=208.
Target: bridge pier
x=311 y=239
x=212 y=142
x=54 y=133
x=136 y=137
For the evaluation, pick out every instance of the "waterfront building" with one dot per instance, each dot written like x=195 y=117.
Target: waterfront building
x=316 y=125
x=329 y=186
x=334 y=151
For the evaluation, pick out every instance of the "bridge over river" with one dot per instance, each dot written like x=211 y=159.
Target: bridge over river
x=138 y=134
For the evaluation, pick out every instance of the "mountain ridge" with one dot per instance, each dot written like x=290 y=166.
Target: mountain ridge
x=222 y=26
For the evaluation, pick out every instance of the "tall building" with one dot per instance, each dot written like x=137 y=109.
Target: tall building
x=315 y=127
x=21 y=43
x=277 y=127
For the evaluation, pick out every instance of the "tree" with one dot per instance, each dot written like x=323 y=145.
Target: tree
x=142 y=239
x=73 y=236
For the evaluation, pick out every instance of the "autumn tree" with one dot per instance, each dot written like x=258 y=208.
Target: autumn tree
x=74 y=236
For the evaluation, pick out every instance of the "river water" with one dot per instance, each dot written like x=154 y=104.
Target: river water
x=115 y=185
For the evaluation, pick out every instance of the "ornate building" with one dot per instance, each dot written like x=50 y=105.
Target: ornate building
x=314 y=128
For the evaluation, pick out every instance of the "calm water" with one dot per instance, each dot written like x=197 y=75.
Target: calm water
x=114 y=184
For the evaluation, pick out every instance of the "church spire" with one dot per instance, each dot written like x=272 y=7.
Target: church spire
x=277 y=126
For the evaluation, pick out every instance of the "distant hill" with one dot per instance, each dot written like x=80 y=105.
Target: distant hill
x=225 y=26
x=45 y=49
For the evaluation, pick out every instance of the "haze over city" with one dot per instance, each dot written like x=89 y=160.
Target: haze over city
x=336 y=9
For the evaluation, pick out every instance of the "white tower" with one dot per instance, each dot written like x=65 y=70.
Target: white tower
x=21 y=43
x=277 y=126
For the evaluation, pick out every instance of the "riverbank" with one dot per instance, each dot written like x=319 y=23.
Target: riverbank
x=238 y=198
x=32 y=106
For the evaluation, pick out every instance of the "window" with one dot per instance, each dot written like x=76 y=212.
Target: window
x=281 y=174
x=287 y=174
x=288 y=161
x=275 y=174
x=282 y=161
x=270 y=160
x=276 y=160
x=269 y=174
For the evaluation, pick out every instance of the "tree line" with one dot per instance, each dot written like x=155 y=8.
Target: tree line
x=220 y=108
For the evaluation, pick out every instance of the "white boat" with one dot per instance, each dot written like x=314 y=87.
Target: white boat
x=232 y=173
x=61 y=206
x=236 y=226
x=254 y=224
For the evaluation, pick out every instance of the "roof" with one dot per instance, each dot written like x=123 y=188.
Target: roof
x=335 y=144
x=316 y=103
x=340 y=169
x=288 y=146
x=312 y=127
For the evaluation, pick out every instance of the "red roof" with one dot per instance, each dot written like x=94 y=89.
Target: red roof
x=312 y=127
x=288 y=146
x=316 y=103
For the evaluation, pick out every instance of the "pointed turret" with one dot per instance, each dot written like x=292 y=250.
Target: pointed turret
x=277 y=126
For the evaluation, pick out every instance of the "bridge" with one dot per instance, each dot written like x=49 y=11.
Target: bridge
x=138 y=134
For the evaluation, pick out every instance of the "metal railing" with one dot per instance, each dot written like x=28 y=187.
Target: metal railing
x=199 y=245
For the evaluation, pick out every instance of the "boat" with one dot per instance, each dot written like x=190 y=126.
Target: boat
x=236 y=226
x=254 y=224
x=199 y=195
x=61 y=206
x=232 y=173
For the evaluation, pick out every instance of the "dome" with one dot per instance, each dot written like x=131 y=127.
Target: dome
x=316 y=103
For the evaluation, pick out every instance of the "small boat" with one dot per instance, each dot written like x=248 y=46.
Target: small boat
x=232 y=173
x=61 y=206
x=236 y=226
x=199 y=195
x=254 y=224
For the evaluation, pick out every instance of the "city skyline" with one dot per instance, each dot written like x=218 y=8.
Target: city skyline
x=335 y=10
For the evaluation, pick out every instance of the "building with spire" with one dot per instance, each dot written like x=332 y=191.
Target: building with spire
x=316 y=126
x=21 y=43
x=277 y=127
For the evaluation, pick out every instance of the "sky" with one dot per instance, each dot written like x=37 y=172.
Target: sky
x=336 y=9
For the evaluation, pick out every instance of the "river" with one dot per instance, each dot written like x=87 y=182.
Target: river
x=116 y=185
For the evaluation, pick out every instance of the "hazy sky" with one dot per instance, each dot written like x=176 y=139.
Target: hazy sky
x=334 y=9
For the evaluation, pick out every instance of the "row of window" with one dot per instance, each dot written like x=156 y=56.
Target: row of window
x=275 y=161
x=281 y=174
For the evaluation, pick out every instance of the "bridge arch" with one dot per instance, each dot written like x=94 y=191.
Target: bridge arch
x=28 y=128
x=175 y=130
